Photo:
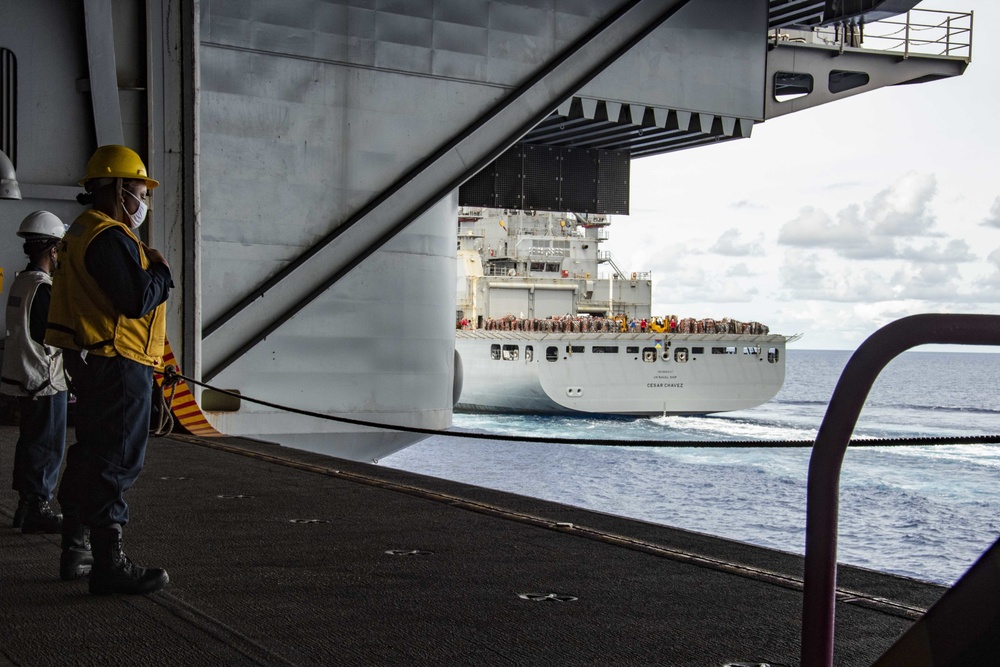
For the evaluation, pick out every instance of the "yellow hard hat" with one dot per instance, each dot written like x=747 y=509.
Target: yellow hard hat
x=114 y=161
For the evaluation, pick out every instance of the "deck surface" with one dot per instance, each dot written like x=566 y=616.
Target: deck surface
x=281 y=557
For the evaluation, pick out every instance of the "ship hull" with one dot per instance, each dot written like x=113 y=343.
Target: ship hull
x=617 y=374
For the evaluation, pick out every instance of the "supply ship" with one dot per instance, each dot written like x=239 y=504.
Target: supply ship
x=541 y=332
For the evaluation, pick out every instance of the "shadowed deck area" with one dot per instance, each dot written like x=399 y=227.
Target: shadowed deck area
x=280 y=557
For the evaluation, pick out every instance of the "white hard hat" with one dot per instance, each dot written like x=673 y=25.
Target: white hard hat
x=41 y=224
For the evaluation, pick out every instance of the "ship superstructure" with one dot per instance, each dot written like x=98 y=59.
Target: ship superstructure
x=541 y=264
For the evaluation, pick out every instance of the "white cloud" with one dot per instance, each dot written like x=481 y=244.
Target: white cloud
x=848 y=236
x=730 y=244
x=716 y=293
x=878 y=247
x=805 y=277
x=800 y=272
x=814 y=228
x=928 y=282
x=903 y=209
x=988 y=286
x=994 y=258
x=851 y=286
x=870 y=232
x=956 y=250
x=670 y=260
x=740 y=270
x=993 y=219
x=987 y=289
x=746 y=204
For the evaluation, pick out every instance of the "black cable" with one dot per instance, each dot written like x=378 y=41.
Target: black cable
x=171 y=377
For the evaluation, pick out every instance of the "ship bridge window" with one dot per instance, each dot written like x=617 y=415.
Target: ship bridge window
x=575 y=349
x=772 y=355
x=552 y=267
x=697 y=350
x=511 y=352
x=632 y=349
x=723 y=350
x=538 y=266
x=529 y=353
x=751 y=350
x=604 y=349
x=649 y=354
x=494 y=351
x=551 y=353
x=681 y=355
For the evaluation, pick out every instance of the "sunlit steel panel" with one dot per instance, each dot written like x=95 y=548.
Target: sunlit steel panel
x=293 y=144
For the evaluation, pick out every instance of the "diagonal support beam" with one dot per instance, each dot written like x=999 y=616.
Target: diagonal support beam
x=277 y=300
x=103 y=73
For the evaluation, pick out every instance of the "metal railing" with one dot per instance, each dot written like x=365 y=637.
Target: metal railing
x=823 y=491
x=928 y=32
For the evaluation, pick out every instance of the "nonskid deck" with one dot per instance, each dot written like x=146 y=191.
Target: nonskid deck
x=298 y=558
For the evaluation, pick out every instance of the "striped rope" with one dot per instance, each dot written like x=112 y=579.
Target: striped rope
x=182 y=404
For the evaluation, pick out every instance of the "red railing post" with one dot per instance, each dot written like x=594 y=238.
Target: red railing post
x=823 y=492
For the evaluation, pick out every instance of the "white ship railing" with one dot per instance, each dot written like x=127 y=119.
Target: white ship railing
x=928 y=32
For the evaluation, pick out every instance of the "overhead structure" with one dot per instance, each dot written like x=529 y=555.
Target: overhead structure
x=815 y=54
x=312 y=157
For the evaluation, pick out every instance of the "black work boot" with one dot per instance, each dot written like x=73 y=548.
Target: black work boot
x=114 y=572
x=41 y=518
x=76 y=559
x=22 y=509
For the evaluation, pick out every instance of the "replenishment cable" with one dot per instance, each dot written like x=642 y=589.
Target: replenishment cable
x=171 y=377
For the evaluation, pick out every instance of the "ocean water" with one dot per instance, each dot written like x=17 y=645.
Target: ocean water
x=925 y=511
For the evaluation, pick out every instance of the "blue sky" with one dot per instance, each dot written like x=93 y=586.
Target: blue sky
x=833 y=221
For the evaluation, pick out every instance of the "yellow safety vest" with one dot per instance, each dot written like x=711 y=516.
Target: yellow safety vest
x=82 y=316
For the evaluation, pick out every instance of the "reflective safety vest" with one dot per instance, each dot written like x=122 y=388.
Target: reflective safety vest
x=29 y=368
x=82 y=316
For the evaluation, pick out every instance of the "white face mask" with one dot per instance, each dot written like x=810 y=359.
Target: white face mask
x=137 y=218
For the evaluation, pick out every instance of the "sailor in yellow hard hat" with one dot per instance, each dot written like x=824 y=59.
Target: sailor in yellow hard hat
x=108 y=314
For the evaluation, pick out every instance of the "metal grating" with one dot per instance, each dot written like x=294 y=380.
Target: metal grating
x=481 y=188
x=509 y=168
x=612 y=182
x=579 y=178
x=541 y=178
x=550 y=178
x=8 y=104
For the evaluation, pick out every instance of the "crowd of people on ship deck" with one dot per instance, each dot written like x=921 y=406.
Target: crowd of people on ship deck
x=617 y=324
